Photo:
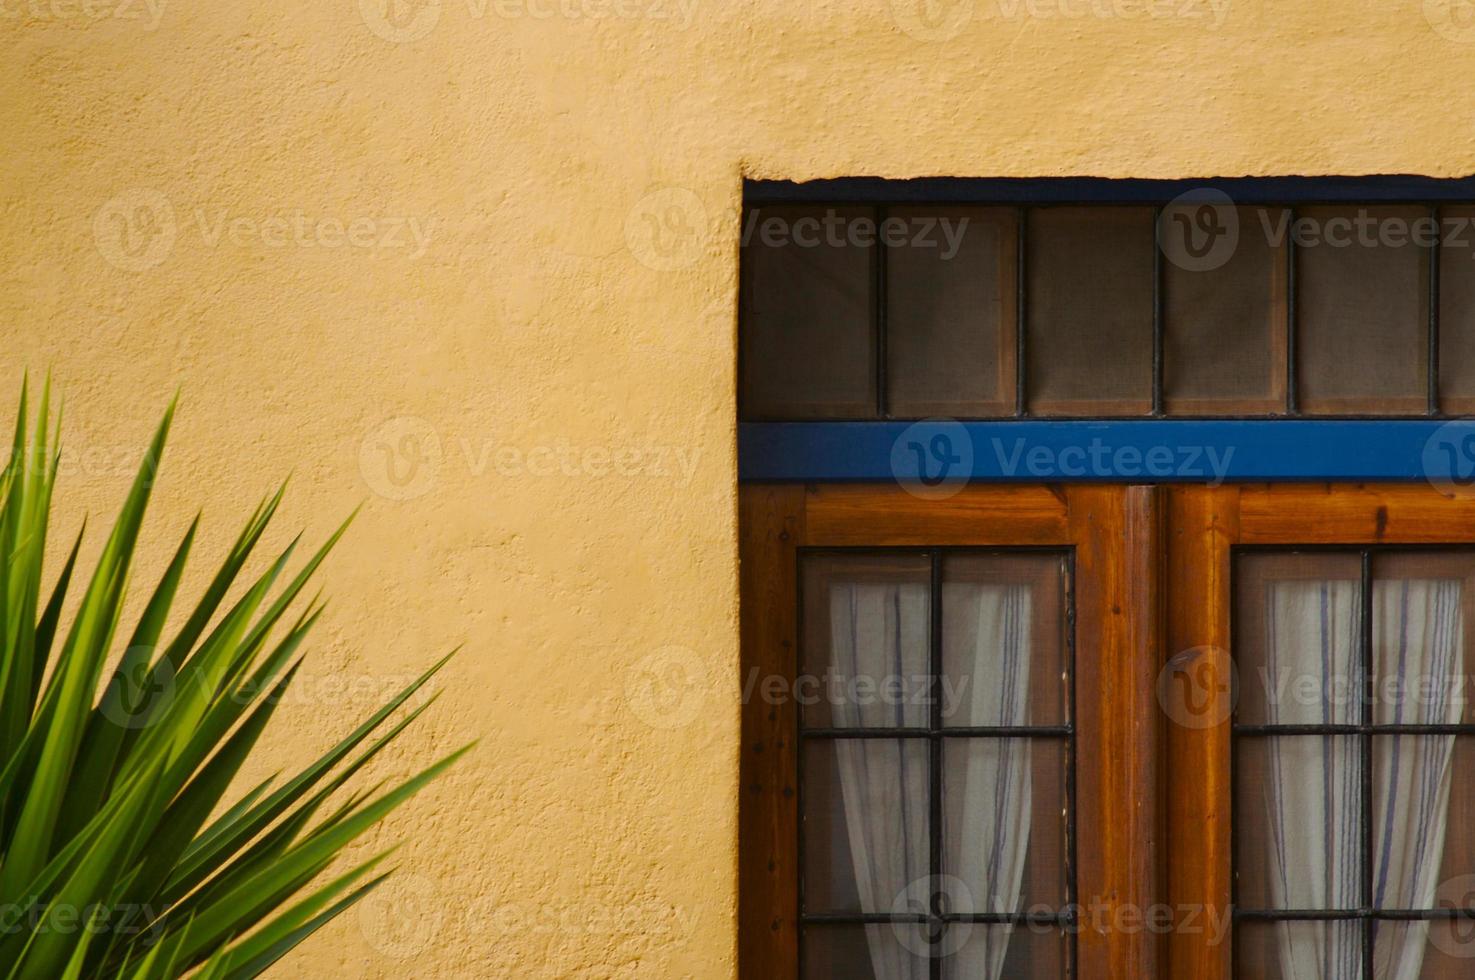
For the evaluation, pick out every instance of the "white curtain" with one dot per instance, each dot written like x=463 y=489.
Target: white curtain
x=885 y=789
x=991 y=626
x=873 y=627
x=1314 y=794
x=1420 y=639
x=1314 y=798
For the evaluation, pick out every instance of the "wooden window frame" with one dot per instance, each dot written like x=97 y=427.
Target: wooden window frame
x=1153 y=579
x=1118 y=726
x=1206 y=526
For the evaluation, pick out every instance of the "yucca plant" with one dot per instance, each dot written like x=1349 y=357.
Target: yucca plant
x=118 y=855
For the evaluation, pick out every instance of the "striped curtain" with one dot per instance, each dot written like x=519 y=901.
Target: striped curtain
x=993 y=837
x=1421 y=635
x=1314 y=799
x=886 y=800
x=885 y=793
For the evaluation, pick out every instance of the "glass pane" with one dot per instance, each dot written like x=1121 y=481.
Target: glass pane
x=865 y=662
x=1297 y=639
x=864 y=823
x=1224 y=317
x=1004 y=641
x=1298 y=822
x=1437 y=950
x=1454 y=885
x=1022 y=952
x=1423 y=802
x=1362 y=311
x=1298 y=950
x=1005 y=823
x=950 y=311
x=1457 y=310
x=887 y=951
x=808 y=350
x=1090 y=276
x=1421 y=657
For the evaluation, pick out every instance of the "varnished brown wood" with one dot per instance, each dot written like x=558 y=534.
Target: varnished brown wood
x=1196 y=695
x=1117 y=534
x=1206 y=523
x=1117 y=599
x=1354 y=514
x=880 y=516
x=771 y=525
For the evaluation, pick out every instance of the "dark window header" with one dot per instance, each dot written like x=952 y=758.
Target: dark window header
x=1367 y=189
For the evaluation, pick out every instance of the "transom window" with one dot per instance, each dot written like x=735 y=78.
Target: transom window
x=1202 y=305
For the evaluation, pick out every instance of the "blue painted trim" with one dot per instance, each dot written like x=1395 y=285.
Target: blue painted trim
x=1150 y=450
x=1396 y=188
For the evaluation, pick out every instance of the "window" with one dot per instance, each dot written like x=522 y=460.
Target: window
x=1089 y=281
x=932 y=780
x=935 y=803
x=1192 y=305
x=1353 y=761
x=937 y=785
x=1102 y=720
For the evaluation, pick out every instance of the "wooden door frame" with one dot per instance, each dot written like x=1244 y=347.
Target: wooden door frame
x=1205 y=525
x=1116 y=535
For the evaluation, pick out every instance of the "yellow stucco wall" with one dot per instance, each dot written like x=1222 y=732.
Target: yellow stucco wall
x=474 y=261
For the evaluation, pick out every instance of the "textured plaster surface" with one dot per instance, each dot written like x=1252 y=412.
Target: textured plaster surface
x=534 y=392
